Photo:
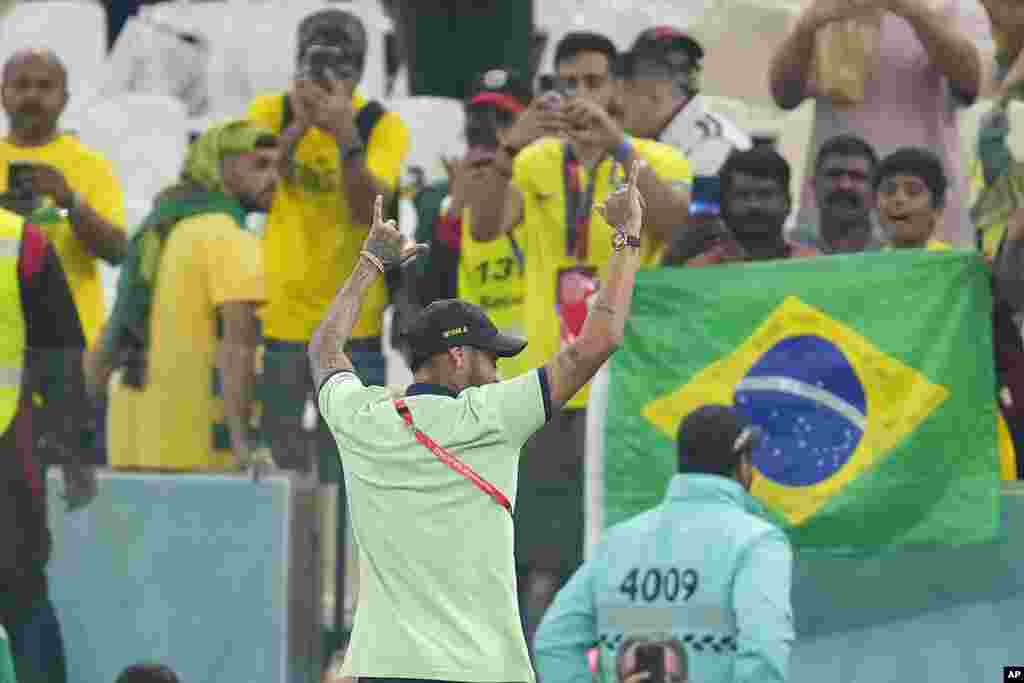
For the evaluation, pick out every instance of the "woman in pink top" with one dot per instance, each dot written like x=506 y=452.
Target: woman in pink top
x=928 y=66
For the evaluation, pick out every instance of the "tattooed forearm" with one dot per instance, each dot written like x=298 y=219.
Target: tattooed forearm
x=327 y=347
x=572 y=368
x=569 y=359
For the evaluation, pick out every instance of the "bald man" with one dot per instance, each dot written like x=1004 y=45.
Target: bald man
x=54 y=169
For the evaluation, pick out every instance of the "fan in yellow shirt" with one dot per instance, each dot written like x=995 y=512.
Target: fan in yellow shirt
x=341 y=151
x=53 y=171
x=488 y=274
x=548 y=191
x=185 y=317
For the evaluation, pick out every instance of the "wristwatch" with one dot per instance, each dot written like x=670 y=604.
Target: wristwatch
x=352 y=150
x=621 y=240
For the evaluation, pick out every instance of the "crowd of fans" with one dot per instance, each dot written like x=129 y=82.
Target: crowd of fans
x=202 y=358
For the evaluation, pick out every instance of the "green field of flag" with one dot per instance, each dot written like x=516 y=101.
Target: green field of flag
x=871 y=375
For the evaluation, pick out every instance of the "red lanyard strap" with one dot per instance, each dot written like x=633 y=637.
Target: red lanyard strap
x=450 y=460
x=579 y=205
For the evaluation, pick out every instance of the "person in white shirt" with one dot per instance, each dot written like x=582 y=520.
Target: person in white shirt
x=661 y=99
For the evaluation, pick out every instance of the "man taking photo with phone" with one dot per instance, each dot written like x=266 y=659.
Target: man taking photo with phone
x=54 y=170
x=339 y=151
x=546 y=191
x=661 y=95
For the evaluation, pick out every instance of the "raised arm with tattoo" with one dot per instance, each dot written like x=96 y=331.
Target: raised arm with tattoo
x=575 y=365
x=385 y=248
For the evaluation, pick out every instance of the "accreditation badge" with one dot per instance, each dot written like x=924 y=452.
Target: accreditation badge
x=575 y=291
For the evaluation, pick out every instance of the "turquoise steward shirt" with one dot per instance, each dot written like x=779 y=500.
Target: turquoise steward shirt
x=702 y=567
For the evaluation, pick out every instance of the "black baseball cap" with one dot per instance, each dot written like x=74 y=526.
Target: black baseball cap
x=503 y=88
x=712 y=437
x=664 y=45
x=449 y=323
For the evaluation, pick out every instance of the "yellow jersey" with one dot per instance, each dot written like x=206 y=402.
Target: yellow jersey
x=92 y=176
x=557 y=281
x=492 y=276
x=311 y=243
x=207 y=261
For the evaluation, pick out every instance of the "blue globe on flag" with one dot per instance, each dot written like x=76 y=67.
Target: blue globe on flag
x=804 y=393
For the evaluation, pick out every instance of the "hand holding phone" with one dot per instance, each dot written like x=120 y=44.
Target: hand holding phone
x=651 y=658
x=19 y=178
x=706 y=196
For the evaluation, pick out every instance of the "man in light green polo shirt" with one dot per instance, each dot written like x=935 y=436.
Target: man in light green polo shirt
x=437 y=598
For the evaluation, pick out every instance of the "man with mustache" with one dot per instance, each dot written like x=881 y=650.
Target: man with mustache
x=661 y=78
x=65 y=173
x=845 y=197
x=755 y=205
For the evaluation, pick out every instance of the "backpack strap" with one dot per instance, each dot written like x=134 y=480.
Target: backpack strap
x=287 y=113
x=368 y=117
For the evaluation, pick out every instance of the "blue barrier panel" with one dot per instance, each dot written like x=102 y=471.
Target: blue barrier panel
x=943 y=615
x=215 y=576
x=967 y=643
x=833 y=594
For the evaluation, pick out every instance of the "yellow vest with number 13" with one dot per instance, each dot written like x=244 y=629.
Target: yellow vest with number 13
x=491 y=276
x=12 y=319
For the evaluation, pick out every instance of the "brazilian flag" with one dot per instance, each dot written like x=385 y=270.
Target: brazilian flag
x=870 y=374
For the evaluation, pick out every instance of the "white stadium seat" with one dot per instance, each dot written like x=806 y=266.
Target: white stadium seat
x=253 y=44
x=435 y=129
x=74 y=29
x=144 y=136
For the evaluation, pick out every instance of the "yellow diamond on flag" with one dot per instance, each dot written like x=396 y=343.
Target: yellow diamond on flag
x=832 y=405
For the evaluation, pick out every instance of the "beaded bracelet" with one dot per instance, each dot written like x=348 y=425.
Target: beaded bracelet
x=373 y=259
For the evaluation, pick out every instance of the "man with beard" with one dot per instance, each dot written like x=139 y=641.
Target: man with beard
x=845 y=197
x=547 y=191
x=662 y=100
x=52 y=167
x=186 y=304
x=755 y=201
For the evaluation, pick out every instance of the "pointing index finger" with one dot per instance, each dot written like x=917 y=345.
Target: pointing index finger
x=634 y=173
x=378 y=205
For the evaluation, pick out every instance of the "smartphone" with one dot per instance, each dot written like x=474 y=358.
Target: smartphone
x=651 y=658
x=480 y=155
x=19 y=178
x=706 y=196
x=322 y=64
